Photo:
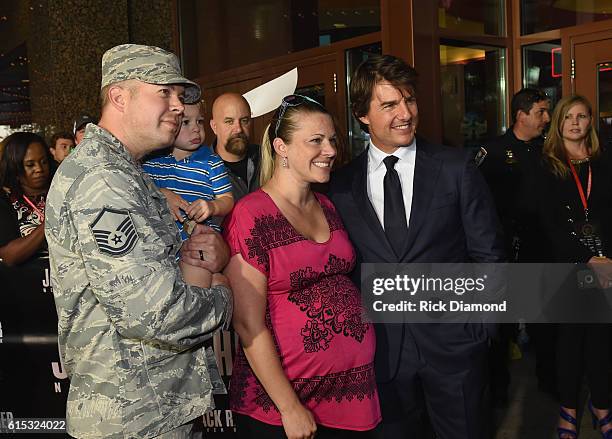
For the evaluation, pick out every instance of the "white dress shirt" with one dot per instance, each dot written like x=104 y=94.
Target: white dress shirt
x=376 y=175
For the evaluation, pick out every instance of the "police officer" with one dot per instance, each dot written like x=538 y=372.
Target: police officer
x=511 y=156
x=509 y=161
x=131 y=331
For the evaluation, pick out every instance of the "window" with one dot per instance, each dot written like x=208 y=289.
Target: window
x=604 y=102
x=542 y=68
x=231 y=33
x=476 y=17
x=473 y=92
x=540 y=16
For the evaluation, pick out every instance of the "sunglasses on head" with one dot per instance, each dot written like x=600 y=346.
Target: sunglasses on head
x=291 y=101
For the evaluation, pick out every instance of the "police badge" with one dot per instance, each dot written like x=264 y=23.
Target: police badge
x=510 y=159
x=114 y=232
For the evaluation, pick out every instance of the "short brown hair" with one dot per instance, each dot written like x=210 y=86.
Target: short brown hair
x=201 y=105
x=129 y=84
x=376 y=69
x=525 y=99
x=60 y=135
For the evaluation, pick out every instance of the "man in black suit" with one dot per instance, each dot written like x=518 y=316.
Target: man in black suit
x=406 y=200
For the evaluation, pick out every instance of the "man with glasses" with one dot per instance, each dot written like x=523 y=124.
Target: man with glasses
x=509 y=161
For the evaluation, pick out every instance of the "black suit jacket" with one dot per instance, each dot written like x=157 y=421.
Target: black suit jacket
x=453 y=219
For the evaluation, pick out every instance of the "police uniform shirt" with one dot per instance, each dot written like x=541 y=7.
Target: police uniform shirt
x=506 y=168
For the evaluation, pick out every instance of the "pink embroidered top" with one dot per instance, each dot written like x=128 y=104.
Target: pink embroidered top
x=314 y=313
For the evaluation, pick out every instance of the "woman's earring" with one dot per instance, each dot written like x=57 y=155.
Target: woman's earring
x=285 y=163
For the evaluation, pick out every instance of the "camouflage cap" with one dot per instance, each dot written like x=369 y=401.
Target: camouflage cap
x=148 y=64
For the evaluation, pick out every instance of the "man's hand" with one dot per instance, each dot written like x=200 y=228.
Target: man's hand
x=200 y=209
x=205 y=248
x=176 y=203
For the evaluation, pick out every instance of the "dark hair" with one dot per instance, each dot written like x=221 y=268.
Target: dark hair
x=60 y=135
x=287 y=125
x=11 y=165
x=524 y=100
x=374 y=70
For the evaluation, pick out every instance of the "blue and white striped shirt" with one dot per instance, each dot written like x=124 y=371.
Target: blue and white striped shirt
x=204 y=177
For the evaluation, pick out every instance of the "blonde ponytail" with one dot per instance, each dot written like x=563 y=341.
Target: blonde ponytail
x=266 y=165
x=284 y=123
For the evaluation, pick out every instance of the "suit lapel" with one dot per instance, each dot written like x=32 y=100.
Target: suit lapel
x=360 y=195
x=426 y=171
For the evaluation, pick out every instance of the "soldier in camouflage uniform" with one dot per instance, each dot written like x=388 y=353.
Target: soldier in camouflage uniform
x=131 y=331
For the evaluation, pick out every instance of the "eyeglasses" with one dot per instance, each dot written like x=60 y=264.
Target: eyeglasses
x=291 y=101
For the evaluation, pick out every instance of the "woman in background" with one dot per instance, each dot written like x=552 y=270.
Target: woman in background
x=24 y=182
x=575 y=211
x=305 y=363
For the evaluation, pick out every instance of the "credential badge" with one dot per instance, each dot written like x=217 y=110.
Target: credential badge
x=114 y=232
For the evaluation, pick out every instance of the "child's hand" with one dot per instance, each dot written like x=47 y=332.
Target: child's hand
x=200 y=209
x=176 y=203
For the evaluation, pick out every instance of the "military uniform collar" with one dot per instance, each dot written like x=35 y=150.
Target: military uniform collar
x=93 y=131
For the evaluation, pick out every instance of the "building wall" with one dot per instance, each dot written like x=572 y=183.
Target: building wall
x=66 y=41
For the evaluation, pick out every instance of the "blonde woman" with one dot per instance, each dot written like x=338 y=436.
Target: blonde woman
x=305 y=364
x=576 y=214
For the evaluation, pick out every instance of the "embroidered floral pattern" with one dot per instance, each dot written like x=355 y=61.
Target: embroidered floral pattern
x=316 y=336
x=332 y=217
x=272 y=231
x=330 y=301
x=268 y=232
x=355 y=383
x=358 y=382
x=323 y=307
x=241 y=381
x=243 y=377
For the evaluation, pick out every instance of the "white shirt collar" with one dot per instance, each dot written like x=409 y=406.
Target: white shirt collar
x=376 y=156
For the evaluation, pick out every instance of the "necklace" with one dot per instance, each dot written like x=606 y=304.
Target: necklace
x=579 y=161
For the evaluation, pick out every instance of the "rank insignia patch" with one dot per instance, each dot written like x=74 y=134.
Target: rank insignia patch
x=114 y=232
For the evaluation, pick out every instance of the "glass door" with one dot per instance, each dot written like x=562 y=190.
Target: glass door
x=604 y=101
x=593 y=80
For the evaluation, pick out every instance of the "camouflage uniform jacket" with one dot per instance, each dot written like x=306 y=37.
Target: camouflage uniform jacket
x=130 y=329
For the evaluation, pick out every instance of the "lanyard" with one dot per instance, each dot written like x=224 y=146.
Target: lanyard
x=27 y=200
x=580 y=190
